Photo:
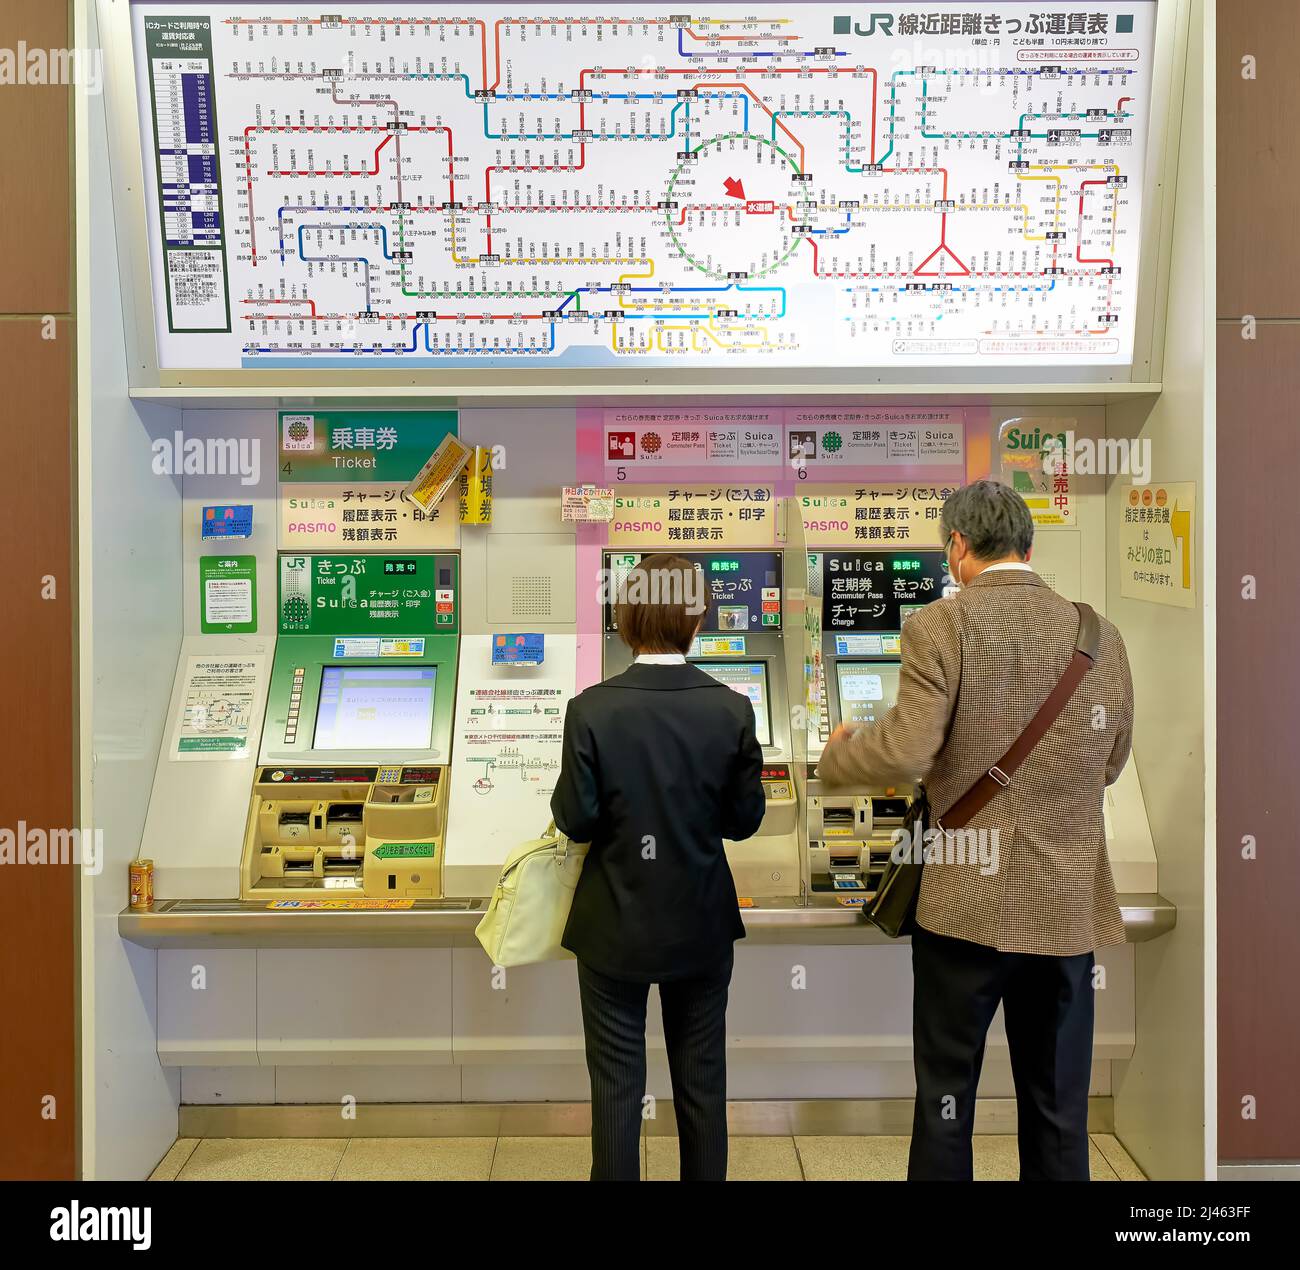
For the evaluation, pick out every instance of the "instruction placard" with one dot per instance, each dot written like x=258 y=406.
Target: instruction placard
x=817 y=442
x=698 y=515
x=885 y=516
x=640 y=440
x=1156 y=532
x=187 y=169
x=228 y=594
x=219 y=699
x=368 y=517
x=509 y=743
x=887 y=436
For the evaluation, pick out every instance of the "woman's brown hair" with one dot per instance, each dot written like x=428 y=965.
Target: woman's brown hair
x=660 y=605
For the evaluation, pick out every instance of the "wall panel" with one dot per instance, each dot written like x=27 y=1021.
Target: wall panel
x=36 y=182
x=37 y=979
x=1259 y=740
x=1258 y=681
x=1258 y=159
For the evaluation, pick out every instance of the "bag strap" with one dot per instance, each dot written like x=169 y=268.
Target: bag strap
x=561 y=841
x=998 y=777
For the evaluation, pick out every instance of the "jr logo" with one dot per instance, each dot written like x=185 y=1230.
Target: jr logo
x=878 y=22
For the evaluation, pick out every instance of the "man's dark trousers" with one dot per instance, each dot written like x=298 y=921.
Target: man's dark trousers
x=1048 y=1006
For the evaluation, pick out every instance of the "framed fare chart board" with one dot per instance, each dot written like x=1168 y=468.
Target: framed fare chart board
x=585 y=186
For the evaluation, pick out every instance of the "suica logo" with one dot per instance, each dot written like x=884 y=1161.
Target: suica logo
x=102 y=1225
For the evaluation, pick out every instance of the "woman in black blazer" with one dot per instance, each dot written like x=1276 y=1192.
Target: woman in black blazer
x=660 y=764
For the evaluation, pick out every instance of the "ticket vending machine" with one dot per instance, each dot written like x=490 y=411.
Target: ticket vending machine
x=746 y=643
x=349 y=796
x=865 y=598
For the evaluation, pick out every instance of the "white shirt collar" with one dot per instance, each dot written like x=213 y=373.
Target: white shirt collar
x=1010 y=564
x=660 y=659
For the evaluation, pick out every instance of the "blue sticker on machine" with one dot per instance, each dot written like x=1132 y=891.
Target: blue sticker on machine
x=228 y=521
x=518 y=649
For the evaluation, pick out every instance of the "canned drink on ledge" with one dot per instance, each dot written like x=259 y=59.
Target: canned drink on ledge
x=141 y=883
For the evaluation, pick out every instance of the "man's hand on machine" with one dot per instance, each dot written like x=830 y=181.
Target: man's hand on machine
x=832 y=771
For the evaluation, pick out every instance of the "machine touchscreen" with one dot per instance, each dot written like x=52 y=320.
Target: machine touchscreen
x=867 y=689
x=375 y=707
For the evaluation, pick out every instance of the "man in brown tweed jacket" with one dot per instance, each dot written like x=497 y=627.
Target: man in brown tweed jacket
x=1015 y=923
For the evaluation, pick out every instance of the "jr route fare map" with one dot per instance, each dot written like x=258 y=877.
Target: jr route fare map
x=593 y=185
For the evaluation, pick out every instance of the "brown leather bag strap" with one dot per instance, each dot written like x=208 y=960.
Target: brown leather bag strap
x=998 y=777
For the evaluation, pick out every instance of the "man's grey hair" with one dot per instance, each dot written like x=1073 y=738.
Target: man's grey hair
x=992 y=517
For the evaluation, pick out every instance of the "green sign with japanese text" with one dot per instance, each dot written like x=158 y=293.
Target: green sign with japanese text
x=378 y=594
x=228 y=595
x=352 y=446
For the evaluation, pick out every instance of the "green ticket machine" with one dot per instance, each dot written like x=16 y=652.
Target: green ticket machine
x=349 y=797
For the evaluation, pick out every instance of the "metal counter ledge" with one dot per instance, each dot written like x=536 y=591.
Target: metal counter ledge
x=447 y=923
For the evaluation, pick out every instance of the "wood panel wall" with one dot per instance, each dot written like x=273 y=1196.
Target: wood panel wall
x=1258 y=438
x=1259 y=639
x=37 y=742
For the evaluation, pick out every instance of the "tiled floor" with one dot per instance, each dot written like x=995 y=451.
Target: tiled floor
x=562 y=1159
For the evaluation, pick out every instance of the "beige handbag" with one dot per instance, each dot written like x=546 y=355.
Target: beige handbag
x=529 y=908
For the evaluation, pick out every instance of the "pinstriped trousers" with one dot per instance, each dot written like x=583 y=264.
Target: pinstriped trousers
x=695 y=1032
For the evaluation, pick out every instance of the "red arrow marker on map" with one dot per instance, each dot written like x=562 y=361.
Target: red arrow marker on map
x=735 y=188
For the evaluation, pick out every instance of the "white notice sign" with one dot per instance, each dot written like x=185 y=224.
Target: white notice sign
x=506 y=756
x=220 y=698
x=228 y=600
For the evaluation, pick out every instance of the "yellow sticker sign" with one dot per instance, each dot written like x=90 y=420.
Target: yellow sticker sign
x=476 y=488
x=289 y=906
x=435 y=478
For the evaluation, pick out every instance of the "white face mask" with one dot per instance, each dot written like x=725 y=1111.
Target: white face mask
x=954 y=574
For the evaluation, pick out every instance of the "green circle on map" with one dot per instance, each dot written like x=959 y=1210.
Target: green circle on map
x=729 y=166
